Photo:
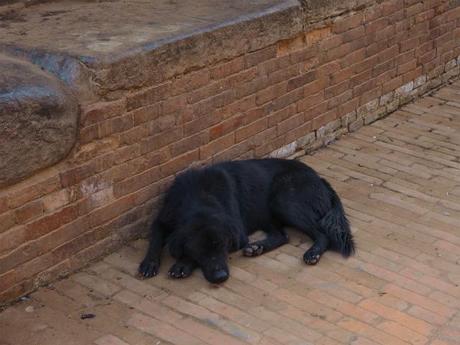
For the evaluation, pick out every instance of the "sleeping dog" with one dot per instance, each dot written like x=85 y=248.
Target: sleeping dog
x=208 y=213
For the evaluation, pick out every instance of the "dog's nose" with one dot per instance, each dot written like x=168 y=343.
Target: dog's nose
x=219 y=276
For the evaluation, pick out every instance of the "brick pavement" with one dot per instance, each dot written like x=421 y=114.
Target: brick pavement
x=400 y=181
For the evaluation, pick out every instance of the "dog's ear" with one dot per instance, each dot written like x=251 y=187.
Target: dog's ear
x=176 y=246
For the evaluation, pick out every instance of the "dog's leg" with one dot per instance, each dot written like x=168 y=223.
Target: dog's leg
x=182 y=268
x=273 y=240
x=313 y=254
x=151 y=263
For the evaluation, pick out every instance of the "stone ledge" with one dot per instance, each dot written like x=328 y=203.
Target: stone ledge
x=97 y=56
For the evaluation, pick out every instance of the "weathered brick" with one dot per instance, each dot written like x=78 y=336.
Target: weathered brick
x=251 y=129
x=226 y=126
x=336 y=89
x=353 y=34
x=366 y=64
x=286 y=99
x=386 y=76
x=51 y=222
x=29 y=211
x=89 y=133
x=331 y=42
x=317 y=35
x=314 y=87
x=134 y=135
x=270 y=93
x=342 y=24
x=98 y=112
x=108 y=212
x=190 y=81
x=315 y=111
x=370 y=95
x=263 y=150
x=189 y=143
x=392 y=85
x=179 y=163
x=301 y=80
x=339 y=100
x=204 y=122
x=147 y=96
x=160 y=140
x=12 y=239
x=290 y=123
x=339 y=52
x=383 y=67
x=223 y=70
x=361 y=78
x=217 y=145
x=3 y=204
x=136 y=182
x=75 y=175
x=349 y=106
x=306 y=58
x=310 y=101
x=122 y=123
x=408 y=44
x=388 y=53
x=234 y=152
x=259 y=56
x=412 y=75
x=20 y=196
x=324 y=118
x=384 y=35
x=376 y=25
x=255 y=85
x=341 y=75
x=364 y=87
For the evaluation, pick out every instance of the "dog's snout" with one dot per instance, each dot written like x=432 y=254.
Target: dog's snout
x=219 y=276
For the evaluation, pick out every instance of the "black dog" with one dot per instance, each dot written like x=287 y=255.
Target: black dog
x=210 y=212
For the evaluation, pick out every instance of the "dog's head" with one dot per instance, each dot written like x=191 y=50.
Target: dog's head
x=207 y=240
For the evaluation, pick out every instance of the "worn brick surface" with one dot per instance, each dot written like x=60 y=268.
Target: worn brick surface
x=398 y=179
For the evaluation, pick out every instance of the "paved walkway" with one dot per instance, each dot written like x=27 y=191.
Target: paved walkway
x=400 y=181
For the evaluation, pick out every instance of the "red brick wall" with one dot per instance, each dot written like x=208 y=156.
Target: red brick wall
x=292 y=96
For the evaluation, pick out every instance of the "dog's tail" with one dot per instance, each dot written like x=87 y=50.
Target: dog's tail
x=336 y=226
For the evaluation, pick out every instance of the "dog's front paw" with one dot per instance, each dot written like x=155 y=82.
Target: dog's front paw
x=180 y=270
x=311 y=257
x=253 y=249
x=148 y=269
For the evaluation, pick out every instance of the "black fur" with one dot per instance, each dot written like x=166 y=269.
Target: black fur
x=210 y=212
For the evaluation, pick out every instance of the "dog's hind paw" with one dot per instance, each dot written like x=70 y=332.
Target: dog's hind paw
x=253 y=249
x=180 y=270
x=311 y=257
x=148 y=269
